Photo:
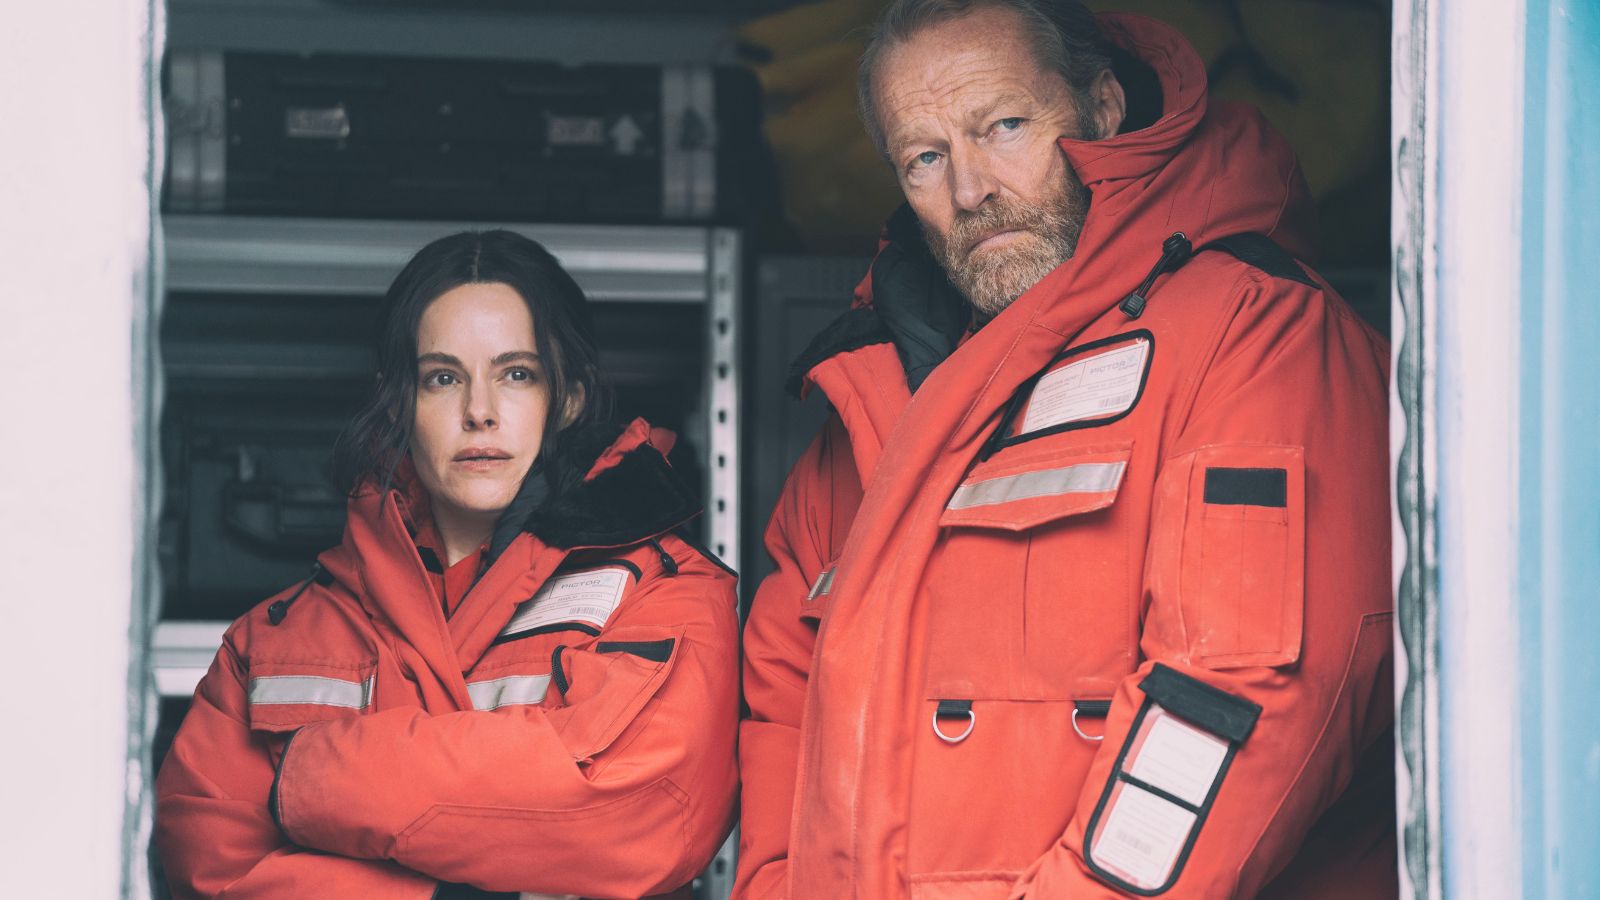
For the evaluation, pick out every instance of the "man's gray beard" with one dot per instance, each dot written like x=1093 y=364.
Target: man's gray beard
x=992 y=280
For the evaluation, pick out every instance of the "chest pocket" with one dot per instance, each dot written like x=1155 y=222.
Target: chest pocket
x=1030 y=594
x=285 y=694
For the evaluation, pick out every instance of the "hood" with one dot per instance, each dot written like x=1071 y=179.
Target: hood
x=1208 y=168
x=613 y=488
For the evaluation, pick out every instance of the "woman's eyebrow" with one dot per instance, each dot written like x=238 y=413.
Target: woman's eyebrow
x=502 y=359
x=515 y=355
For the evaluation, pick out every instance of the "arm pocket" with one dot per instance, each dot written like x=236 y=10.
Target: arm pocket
x=606 y=686
x=1243 y=557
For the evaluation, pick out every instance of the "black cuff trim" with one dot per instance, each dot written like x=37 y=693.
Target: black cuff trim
x=556 y=675
x=273 y=807
x=655 y=651
x=1219 y=712
x=1247 y=487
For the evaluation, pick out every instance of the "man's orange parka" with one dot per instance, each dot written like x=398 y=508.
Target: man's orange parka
x=579 y=742
x=1026 y=639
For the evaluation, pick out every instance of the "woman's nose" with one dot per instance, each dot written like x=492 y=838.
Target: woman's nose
x=480 y=411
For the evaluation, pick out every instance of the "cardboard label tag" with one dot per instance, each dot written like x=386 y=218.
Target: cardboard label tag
x=1100 y=386
x=1142 y=837
x=589 y=596
x=1178 y=758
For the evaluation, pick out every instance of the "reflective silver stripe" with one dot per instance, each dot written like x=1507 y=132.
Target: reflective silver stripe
x=509 y=691
x=271 y=690
x=1083 y=478
x=822 y=587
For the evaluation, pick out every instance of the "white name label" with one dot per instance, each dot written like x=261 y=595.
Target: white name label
x=1144 y=833
x=1179 y=758
x=1103 y=385
x=1142 y=837
x=590 y=596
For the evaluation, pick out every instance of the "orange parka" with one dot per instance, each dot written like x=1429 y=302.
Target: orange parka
x=568 y=729
x=1098 y=603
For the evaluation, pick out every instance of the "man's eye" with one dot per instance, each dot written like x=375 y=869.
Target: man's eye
x=927 y=157
x=1011 y=124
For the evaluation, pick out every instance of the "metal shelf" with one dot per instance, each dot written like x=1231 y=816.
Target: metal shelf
x=359 y=257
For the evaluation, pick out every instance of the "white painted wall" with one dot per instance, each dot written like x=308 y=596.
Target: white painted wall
x=1478 y=218
x=75 y=245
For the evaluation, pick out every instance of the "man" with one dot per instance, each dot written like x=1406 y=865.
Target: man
x=1083 y=590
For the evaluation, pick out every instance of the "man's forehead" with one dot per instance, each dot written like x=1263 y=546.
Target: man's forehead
x=955 y=80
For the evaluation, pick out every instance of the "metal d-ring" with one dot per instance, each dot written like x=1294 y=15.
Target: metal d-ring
x=972 y=719
x=1088 y=737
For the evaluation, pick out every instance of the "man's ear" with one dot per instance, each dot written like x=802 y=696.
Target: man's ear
x=573 y=407
x=1109 y=103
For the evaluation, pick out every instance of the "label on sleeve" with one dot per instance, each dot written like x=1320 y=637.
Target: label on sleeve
x=1142 y=837
x=590 y=596
x=1177 y=757
x=1100 y=386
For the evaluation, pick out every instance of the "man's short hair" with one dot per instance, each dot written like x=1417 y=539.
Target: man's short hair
x=1066 y=38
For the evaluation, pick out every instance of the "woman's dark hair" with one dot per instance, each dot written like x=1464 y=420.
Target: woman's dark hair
x=379 y=435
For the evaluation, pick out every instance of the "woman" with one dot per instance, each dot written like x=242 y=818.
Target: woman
x=511 y=676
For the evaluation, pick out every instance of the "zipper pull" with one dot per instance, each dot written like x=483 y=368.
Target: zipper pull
x=667 y=562
x=1175 y=251
x=278 y=610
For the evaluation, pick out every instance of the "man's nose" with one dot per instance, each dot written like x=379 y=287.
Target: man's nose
x=971 y=182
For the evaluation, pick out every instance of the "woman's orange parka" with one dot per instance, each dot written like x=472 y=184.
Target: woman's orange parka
x=568 y=729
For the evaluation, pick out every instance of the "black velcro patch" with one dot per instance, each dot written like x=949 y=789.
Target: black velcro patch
x=655 y=651
x=1247 y=487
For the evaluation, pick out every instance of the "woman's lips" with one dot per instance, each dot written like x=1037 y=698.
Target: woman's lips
x=481 y=459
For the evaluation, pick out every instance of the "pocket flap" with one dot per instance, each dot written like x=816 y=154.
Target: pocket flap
x=608 y=685
x=286 y=695
x=1038 y=485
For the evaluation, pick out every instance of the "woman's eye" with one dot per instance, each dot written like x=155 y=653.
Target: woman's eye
x=520 y=374
x=440 y=379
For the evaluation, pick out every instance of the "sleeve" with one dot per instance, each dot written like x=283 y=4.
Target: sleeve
x=213 y=832
x=812 y=514
x=621 y=784
x=1266 y=628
